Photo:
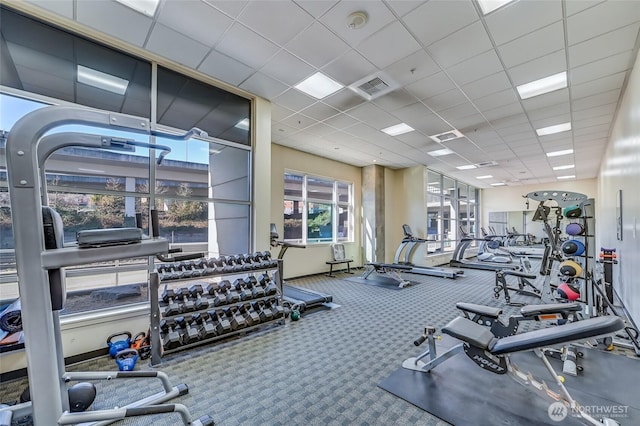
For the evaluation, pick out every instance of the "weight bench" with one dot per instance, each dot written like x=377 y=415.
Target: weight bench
x=339 y=258
x=492 y=354
x=390 y=269
x=524 y=287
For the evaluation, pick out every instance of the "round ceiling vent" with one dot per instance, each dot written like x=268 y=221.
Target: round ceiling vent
x=357 y=20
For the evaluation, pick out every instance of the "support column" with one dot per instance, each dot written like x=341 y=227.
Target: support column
x=373 y=213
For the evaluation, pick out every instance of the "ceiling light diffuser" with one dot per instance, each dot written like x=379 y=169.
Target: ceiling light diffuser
x=484 y=177
x=447 y=136
x=566 y=177
x=542 y=86
x=102 y=80
x=568 y=166
x=243 y=124
x=147 y=7
x=398 y=129
x=558 y=128
x=440 y=152
x=319 y=86
x=498 y=184
x=488 y=6
x=467 y=167
x=559 y=153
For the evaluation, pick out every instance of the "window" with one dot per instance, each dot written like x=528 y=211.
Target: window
x=451 y=210
x=317 y=209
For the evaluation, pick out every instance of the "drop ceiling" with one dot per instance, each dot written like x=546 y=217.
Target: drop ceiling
x=453 y=68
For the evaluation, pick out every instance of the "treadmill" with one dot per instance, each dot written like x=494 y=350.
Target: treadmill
x=409 y=244
x=302 y=298
x=458 y=260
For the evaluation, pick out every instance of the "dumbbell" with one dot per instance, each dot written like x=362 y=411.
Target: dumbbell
x=250 y=316
x=171 y=338
x=235 y=318
x=247 y=262
x=169 y=297
x=243 y=290
x=266 y=256
x=224 y=287
x=196 y=291
x=264 y=312
x=219 y=298
x=220 y=322
x=167 y=272
x=206 y=330
x=189 y=333
x=256 y=289
x=270 y=287
x=186 y=305
x=278 y=311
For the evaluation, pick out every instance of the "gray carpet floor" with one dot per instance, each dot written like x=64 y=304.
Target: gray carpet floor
x=321 y=370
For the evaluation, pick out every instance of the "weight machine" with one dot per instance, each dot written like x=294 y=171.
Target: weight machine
x=42 y=256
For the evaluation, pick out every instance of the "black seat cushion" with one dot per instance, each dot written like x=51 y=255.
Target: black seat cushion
x=551 y=308
x=483 y=310
x=469 y=332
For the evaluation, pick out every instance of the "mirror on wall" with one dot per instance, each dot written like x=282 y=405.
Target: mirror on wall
x=520 y=222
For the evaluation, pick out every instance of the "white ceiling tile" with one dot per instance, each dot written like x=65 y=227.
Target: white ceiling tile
x=171 y=44
x=503 y=111
x=602 y=68
x=294 y=99
x=462 y=110
x=320 y=129
x=341 y=121
x=317 y=45
x=599 y=85
x=278 y=21
x=344 y=100
x=511 y=121
x=431 y=86
x=280 y=131
x=246 y=46
x=388 y=45
x=320 y=111
x=562 y=108
x=575 y=6
x=546 y=100
x=114 y=19
x=593 y=121
x=279 y=113
x=533 y=45
x=418 y=140
x=515 y=128
x=463 y=44
x=60 y=7
x=446 y=100
x=495 y=100
x=436 y=19
x=263 y=85
x=522 y=17
x=487 y=85
x=231 y=8
x=421 y=118
x=412 y=68
x=194 y=19
x=600 y=131
x=469 y=121
x=349 y=68
x=225 y=68
x=538 y=68
x=402 y=7
x=607 y=109
x=299 y=121
x=479 y=66
x=603 y=46
x=395 y=100
x=336 y=19
x=316 y=8
x=287 y=68
x=373 y=115
x=601 y=19
x=552 y=121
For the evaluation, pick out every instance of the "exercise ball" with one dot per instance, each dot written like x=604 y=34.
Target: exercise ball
x=572 y=212
x=575 y=229
x=569 y=268
x=568 y=291
x=572 y=248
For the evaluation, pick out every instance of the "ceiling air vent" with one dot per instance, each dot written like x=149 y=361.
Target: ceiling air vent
x=447 y=136
x=486 y=164
x=374 y=86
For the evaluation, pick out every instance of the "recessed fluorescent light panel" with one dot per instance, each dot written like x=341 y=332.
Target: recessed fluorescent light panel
x=559 y=153
x=568 y=166
x=484 y=177
x=558 y=128
x=243 y=124
x=102 y=80
x=467 y=167
x=498 y=184
x=488 y=6
x=566 y=177
x=440 y=152
x=319 y=86
x=542 y=86
x=398 y=129
x=148 y=7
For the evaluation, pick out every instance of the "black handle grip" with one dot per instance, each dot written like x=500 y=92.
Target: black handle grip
x=155 y=228
x=420 y=340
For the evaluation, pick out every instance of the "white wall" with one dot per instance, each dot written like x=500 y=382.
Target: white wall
x=300 y=262
x=620 y=170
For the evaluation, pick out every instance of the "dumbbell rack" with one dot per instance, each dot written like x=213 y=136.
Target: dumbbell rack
x=203 y=277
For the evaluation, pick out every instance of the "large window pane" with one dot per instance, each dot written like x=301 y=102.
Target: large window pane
x=433 y=183
x=344 y=192
x=319 y=189
x=293 y=220
x=344 y=223
x=319 y=222
x=293 y=185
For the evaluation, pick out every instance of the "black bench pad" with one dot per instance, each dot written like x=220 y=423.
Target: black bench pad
x=551 y=308
x=579 y=330
x=483 y=310
x=470 y=332
x=520 y=274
